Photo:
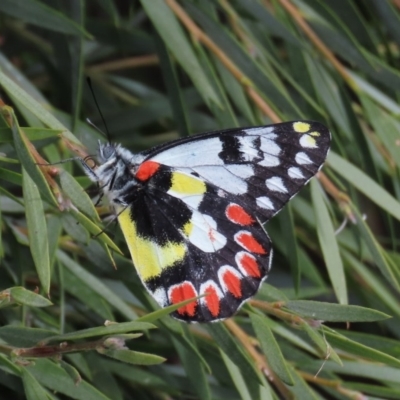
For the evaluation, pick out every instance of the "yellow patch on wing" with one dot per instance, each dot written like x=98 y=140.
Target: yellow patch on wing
x=315 y=133
x=185 y=184
x=149 y=258
x=188 y=228
x=188 y=188
x=301 y=127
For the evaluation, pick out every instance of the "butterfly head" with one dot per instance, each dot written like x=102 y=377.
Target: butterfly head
x=114 y=172
x=106 y=152
x=114 y=153
x=110 y=164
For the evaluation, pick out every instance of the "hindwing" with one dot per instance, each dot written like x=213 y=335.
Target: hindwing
x=198 y=243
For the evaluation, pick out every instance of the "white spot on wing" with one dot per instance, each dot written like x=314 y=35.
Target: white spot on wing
x=161 y=296
x=295 y=173
x=222 y=178
x=192 y=200
x=271 y=150
x=262 y=130
x=240 y=170
x=276 y=184
x=264 y=202
x=270 y=147
x=204 y=234
x=198 y=152
x=246 y=147
x=308 y=142
x=269 y=161
x=302 y=158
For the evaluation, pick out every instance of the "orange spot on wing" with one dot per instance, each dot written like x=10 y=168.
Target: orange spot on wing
x=250 y=265
x=238 y=215
x=183 y=292
x=247 y=240
x=232 y=283
x=212 y=300
x=147 y=170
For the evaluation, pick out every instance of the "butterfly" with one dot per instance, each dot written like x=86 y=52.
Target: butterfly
x=192 y=210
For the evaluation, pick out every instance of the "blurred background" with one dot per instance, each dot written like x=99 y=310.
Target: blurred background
x=161 y=70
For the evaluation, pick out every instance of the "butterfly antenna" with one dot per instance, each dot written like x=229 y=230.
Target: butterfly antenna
x=89 y=82
x=93 y=125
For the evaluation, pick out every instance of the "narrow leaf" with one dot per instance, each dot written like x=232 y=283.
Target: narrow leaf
x=195 y=370
x=287 y=226
x=334 y=312
x=33 y=389
x=110 y=329
x=352 y=347
x=325 y=350
x=236 y=376
x=229 y=346
x=155 y=315
x=329 y=245
x=95 y=230
x=56 y=379
x=22 y=336
x=174 y=37
x=378 y=253
x=39 y=14
x=79 y=197
x=132 y=357
x=37 y=228
x=34 y=106
x=374 y=371
x=98 y=286
x=270 y=348
x=23 y=296
x=365 y=184
x=22 y=148
x=300 y=389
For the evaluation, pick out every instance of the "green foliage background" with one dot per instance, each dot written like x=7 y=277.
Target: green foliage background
x=320 y=327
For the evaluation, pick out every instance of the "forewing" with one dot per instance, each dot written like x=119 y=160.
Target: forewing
x=263 y=166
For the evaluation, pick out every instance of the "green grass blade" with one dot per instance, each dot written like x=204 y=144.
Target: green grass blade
x=329 y=245
x=37 y=229
x=271 y=348
x=365 y=184
x=334 y=312
x=169 y=29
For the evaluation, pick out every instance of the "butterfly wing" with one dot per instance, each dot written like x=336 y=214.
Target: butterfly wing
x=195 y=228
x=264 y=166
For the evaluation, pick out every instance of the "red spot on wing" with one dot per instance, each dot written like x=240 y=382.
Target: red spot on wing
x=249 y=264
x=247 y=241
x=212 y=300
x=238 y=215
x=184 y=291
x=147 y=170
x=211 y=234
x=232 y=283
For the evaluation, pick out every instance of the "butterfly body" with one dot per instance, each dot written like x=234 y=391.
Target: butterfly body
x=192 y=210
